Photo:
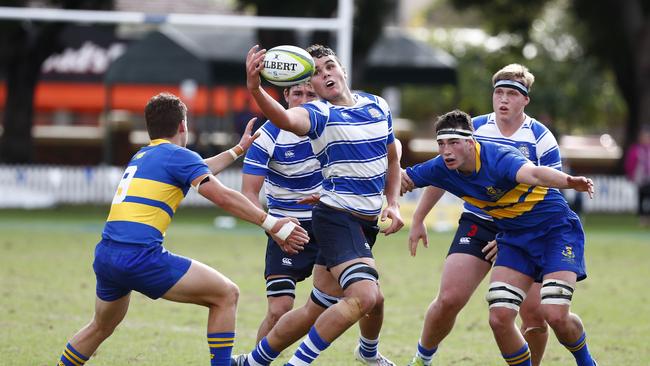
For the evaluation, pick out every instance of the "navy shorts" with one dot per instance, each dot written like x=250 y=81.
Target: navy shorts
x=341 y=236
x=472 y=235
x=556 y=245
x=151 y=270
x=298 y=266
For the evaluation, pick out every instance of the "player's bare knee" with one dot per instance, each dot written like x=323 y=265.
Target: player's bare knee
x=279 y=308
x=351 y=308
x=365 y=297
x=449 y=304
x=557 y=316
x=501 y=318
x=228 y=296
x=368 y=303
x=379 y=304
x=233 y=294
x=102 y=329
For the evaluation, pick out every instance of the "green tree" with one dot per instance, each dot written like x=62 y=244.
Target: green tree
x=615 y=33
x=24 y=45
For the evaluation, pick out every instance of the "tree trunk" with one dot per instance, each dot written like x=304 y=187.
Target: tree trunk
x=34 y=43
x=642 y=81
x=17 y=143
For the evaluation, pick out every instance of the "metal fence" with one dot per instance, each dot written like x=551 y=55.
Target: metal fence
x=32 y=186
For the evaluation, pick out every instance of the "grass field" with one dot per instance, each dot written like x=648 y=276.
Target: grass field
x=47 y=294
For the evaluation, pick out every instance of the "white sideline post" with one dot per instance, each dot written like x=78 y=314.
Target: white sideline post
x=342 y=24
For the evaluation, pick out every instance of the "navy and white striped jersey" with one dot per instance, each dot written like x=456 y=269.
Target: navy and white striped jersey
x=533 y=139
x=351 y=145
x=290 y=167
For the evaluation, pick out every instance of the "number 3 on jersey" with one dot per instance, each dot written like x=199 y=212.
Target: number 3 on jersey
x=123 y=187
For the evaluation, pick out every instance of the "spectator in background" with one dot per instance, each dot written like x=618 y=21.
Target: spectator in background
x=637 y=170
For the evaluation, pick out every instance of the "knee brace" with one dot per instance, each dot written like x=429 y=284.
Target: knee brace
x=505 y=295
x=281 y=286
x=556 y=292
x=322 y=299
x=357 y=272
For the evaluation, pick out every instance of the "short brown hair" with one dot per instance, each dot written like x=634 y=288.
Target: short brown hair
x=318 y=51
x=455 y=119
x=515 y=72
x=163 y=113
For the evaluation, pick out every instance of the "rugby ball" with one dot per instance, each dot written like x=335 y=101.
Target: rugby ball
x=287 y=65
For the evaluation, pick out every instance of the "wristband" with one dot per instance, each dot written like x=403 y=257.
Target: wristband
x=269 y=222
x=237 y=149
x=233 y=151
x=285 y=230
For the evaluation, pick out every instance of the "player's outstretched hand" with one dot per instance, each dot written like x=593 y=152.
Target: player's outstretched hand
x=581 y=184
x=297 y=238
x=312 y=199
x=396 y=223
x=407 y=183
x=490 y=250
x=254 y=64
x=248 y=137
x=418 y=232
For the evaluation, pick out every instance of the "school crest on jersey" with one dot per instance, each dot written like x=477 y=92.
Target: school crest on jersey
x=346 y=115
x=289 y=154
x=494 y=193
x=524 y=150
x=374 y=113
x=568 y=254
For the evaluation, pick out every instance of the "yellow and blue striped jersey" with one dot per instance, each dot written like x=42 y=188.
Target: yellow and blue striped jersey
x=492 y=187
x=152 y=187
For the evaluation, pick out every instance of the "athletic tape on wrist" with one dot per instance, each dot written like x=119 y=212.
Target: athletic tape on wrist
x=269 y=222
x=285 y=230
x=233 y=154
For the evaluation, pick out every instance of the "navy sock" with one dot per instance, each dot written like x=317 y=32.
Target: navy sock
x=71 y=357
x=368 y=347
x=580 y=351
x=262 y=355
x=309 y=349
x=519 y=358
x=425 y=354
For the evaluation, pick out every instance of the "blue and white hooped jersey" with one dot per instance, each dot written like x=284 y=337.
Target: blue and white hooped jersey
x=152 y=187
x=492 y=187
x=532 y=139
x=290 y=168
x=351 y=145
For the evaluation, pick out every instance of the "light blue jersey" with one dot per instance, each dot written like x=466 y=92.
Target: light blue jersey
x=292 y=171
x=351 y=145
x=532 y=139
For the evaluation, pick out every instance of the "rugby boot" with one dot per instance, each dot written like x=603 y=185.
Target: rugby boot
x=377 y=361
x=238 y=360
x=416 y=361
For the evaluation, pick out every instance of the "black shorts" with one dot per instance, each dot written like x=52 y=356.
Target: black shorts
x=298 y=266
x=342 y=236
x=472 y=235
